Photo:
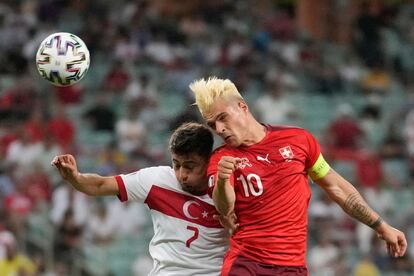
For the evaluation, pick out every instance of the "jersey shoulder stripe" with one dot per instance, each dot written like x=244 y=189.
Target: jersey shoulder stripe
x=122 y=194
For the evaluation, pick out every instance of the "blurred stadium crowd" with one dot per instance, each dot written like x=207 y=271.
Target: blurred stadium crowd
x=341 y=69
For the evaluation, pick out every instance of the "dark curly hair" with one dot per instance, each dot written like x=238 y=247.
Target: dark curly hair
x=192 y=138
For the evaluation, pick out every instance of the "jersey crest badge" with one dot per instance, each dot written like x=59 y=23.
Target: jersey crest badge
x=286 y=153
x=244 y=162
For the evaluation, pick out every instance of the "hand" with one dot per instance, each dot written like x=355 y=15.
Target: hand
x=229 y=222
x=226 y=166
x=395 y=240
x=66 y=165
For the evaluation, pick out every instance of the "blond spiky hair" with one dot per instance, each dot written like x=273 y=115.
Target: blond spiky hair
x=206 y=92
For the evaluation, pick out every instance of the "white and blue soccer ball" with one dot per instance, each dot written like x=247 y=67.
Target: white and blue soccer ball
x=62 y=59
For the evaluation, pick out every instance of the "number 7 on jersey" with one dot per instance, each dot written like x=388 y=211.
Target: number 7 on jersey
x=192 y=238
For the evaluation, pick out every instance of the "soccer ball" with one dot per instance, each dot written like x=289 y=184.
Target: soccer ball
x=62 y=59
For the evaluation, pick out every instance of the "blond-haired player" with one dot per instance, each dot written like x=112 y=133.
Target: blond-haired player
x=261 y=172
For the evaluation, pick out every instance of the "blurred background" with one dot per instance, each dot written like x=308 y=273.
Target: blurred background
x=343 y=69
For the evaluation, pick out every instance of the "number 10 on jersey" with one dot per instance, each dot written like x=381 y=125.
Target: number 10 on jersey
x=252 y=184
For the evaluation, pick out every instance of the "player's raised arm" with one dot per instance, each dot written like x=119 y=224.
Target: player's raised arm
x=223 y=194
x=90 y=184
x=351 y=201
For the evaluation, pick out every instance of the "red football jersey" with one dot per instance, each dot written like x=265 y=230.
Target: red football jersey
x=272 y=195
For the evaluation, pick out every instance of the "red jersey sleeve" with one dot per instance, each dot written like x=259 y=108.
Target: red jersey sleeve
x=314 y=150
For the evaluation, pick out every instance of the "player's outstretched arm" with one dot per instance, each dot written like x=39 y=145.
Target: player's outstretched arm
x=351 y=201
x=223 y=193
x=90 y=184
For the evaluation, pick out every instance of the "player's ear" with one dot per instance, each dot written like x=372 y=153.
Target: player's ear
x=243 y=105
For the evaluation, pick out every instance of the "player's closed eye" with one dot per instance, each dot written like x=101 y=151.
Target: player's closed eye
x=189 y=168
x=222 y=118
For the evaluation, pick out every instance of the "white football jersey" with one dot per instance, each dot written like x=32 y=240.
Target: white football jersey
x=187 y=239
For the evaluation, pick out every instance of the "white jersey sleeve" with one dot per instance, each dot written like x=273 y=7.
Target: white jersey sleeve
x=136 y=186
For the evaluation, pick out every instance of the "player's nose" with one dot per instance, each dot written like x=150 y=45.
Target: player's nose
x=182 y=175
x=220 y=128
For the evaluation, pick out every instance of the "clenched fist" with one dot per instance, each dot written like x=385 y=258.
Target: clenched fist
x=226 y=166
x=66 y=165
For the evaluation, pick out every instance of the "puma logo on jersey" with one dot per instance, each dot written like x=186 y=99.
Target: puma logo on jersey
x=266 y=159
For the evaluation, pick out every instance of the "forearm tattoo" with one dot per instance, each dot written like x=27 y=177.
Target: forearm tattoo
x=376 y=223
x=356 y=206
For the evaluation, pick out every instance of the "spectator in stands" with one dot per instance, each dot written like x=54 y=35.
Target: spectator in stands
x=160 y=51
x=35 y=125
x=111 y=160
x=143 y=93
x=38 y=185
x=65 y=198
x=351 y=71
x=142 y=89
x=15 y=262
x=126 y=50
x=17 y=206
x=369 y=171
x=8 y=133
x=327 y=79
x=7 y=181
x=100 y=114
x=393 y=144
x=323 y=257
x=274 y=106
x=61 y=128
x=49 y=148
x=67 y=241
x=325 y=211
x=16 y=101
x=22 y=152
x=344 y=135
x=117 y=78
x=69 y=94
x=376 y=83
x=130 y=132
x=372 y=125
x=366 y=267
x=101 y=228
x=367 y=33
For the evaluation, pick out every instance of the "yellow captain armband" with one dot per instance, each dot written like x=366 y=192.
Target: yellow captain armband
x=319 y=169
